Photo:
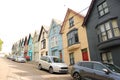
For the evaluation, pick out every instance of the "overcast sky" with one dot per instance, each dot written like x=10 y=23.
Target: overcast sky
x=18 y=18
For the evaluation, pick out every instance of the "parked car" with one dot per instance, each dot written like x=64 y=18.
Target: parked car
x=13 y=57
x=20 y=59
x=92 y=70
x=52 y=64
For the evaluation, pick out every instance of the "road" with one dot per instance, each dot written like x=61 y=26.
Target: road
x=10 y=70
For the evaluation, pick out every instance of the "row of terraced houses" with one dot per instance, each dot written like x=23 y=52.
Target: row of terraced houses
x=94 y=37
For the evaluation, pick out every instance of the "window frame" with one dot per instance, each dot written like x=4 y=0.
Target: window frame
x=101 y=66
x=43 y=44
x=71 y=37
x=106 y=36
x=72 y=58
x=103 y=8
x=54 y=41
x=71 y=22
x=108 y=56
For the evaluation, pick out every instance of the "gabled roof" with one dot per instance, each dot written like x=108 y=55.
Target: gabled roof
x=25 y=40
x=30 y=36
x=36 y=33
x=19 y=43
x=89 y=12
x=22 y=42
x=13 y=46
x=57 y=22
x=67 y=14
x=43 y=28
x=28 y=39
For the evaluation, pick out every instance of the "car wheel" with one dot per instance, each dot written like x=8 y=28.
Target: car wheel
x=51 y=70
x=39 y=67
x=76 y=76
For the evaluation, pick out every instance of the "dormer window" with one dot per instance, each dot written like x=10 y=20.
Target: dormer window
x=103 y=9
x=71 y=22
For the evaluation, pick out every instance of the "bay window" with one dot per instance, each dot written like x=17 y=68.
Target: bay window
x=72 y=37
x=108 y=30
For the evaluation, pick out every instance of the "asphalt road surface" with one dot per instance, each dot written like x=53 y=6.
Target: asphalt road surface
x=10 y=70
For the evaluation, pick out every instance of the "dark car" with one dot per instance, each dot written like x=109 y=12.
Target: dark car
x=92 y=70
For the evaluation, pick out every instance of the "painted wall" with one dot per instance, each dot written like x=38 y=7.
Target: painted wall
x=36 y=47
x=30 y=48
x=43 y=52
x=55 y=40
x=76 y=48
x=93 y=21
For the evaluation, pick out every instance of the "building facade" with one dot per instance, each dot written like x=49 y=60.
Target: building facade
x=43 y=41
x=25 y=47
x=36 y=47
x=103 y=30
x=30 y=47
x=55 y=39
x=75 y=46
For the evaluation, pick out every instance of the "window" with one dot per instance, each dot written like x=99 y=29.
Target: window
x=54 y=30
x=107 y=57
x=116 y=29
x=43 y=36
x=53 y=53
x=71 y=22
x=72 y=37
x=43 y=44
x=71 y=58
x=54 y=41
x=99 y=67
x=87 y=64
x=108 y=30
x=41 y=54
x=103 y=9
x=46 y=53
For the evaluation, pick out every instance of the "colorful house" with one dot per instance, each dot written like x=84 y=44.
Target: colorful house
x=22 y=47
x=43 y=41
x=55 y=39
x=102 y=23
x=75 y=45
x=19 y=48
x=25 y=47
x=30 y=46
x=36 y=46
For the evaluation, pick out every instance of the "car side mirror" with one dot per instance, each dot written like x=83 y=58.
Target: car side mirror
x=106 y=71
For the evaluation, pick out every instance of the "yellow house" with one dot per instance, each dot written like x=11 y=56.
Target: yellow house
x=75 y=45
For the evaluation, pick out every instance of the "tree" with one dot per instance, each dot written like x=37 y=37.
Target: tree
x=1 y=42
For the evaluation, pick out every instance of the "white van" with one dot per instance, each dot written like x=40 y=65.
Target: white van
x=52 y=64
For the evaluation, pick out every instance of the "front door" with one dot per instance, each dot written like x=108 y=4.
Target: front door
x=85 y=55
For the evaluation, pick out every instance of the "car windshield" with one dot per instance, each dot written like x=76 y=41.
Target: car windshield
x=113 y=67
x=56 y=60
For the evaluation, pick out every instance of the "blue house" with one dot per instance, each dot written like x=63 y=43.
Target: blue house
x=30 y=47
x=55 y=40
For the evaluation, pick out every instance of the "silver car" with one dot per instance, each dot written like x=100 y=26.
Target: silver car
x=52 y=64
x=21 y=59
